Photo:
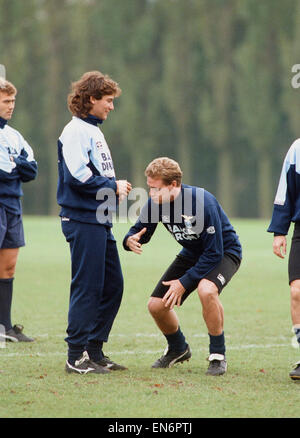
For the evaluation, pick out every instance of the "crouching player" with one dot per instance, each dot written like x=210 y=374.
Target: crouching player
x=211 y=255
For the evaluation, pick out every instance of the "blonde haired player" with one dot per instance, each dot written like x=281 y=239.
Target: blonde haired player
x=17 y=166
x=210 y=256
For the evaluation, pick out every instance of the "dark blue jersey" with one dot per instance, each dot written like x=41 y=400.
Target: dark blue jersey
x=198 y=223
x=17 y=165
x=287 y=201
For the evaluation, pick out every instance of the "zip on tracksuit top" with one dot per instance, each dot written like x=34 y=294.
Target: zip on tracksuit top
x=287 y=200
x=23 y=168
x=84 y=167
x=205 y=242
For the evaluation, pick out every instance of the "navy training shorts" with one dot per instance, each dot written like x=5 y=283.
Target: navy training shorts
x=11 y=230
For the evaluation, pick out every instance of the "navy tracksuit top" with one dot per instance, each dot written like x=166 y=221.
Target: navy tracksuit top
x=22 y=168
x=84 y=167
x=287 y=200
x=198 y=223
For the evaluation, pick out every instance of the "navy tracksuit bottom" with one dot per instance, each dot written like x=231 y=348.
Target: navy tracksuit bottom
x=96 y=286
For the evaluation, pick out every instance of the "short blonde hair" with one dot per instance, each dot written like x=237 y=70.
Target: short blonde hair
x=166 y=169
x=7 y=87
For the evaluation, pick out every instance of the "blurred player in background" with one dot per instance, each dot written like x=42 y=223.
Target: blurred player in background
x=211 y=255
x=286 y=210
x=86 y=170
x=17 y=165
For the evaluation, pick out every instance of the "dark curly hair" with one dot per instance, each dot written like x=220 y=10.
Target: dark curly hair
x=95 y=84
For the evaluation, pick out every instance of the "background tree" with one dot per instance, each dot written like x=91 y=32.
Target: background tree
x=258 y=93
x=218 y=27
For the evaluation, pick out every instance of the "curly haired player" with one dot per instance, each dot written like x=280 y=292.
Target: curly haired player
x=86 y=170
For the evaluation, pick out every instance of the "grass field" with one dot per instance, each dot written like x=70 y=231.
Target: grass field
x=33 y=382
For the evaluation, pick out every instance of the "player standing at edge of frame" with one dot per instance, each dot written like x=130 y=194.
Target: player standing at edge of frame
x=211 y=255
x=286 y=210
x=85 y=168
x=17 y=166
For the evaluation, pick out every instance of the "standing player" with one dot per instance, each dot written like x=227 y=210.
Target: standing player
x=17 y=165
x=286 y=210
x=211 y=255
x=85 y=169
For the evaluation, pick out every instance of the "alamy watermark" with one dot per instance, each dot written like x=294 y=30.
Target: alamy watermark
x=187 y=208
x=295 y=82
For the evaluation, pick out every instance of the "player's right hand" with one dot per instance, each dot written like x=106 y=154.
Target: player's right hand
x=123 y=188
x=279 y=246
x=133 y=242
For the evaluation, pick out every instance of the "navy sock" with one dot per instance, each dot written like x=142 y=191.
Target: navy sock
x=74 y=352
x=6 y=291
x=217 y=344
x=176 y=341
x=94 y=349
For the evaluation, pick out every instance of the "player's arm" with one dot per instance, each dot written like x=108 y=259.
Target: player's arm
x=25 y=162
x=137 y=236
x=285 y=200
x=123 y=189
x=286 y=197
x=141 y=232
x=8 y=171
x=77 y=172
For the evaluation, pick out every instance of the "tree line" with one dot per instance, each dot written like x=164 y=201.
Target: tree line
x=206 y=82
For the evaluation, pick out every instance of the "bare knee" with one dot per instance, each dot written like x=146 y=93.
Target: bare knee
x=295 y=291
x=7 y=271
x=8 y=260
x=155 y=306
x=207 y=291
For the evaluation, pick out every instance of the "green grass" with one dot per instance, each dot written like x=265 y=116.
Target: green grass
x=33 y=382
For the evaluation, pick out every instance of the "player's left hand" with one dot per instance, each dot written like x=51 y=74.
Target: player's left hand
x=174 y=293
